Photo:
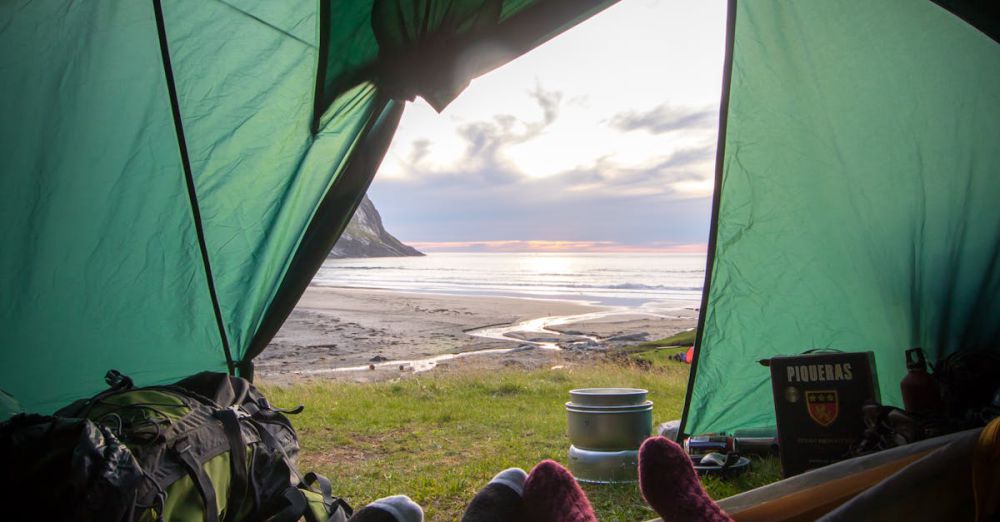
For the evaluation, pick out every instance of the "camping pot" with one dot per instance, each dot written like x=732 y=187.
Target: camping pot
x=604 y=467
x=608 y=396
x=615 y=423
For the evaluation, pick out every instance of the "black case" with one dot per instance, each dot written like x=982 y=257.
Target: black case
x=817 y=403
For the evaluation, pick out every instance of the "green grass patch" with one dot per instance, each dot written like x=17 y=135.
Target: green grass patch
x=685 y=339
x=656 y=354
x=440 y=437
x=657 y=357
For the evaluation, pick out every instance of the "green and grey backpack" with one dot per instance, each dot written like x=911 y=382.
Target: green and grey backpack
x=209 y=447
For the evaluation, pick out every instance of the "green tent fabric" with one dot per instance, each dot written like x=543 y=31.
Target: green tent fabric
x=856 y=201
x=174 y=171
x=100 y=261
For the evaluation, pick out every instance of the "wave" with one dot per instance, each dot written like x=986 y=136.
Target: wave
x=661 y=271
x=640 y=286
x=609 y=279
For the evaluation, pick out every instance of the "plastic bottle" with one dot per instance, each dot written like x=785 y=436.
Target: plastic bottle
x=920 y=391
x=708 y=443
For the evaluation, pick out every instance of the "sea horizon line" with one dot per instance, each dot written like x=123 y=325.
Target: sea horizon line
x=549 y=246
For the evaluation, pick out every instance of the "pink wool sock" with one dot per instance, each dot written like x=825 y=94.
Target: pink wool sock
x=670 y=484
x=551 y=494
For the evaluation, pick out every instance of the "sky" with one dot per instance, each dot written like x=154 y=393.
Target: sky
x=603 y=139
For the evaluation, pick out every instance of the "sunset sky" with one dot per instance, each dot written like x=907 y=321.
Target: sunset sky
x=601 y=140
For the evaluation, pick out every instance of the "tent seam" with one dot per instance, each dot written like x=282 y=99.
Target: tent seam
x=189 y=180
x=322 y=61
x=727 y=76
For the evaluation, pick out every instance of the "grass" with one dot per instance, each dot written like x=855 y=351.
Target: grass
x=440 y=437
x=656 y=357
x=658 y=353
x=685 y=339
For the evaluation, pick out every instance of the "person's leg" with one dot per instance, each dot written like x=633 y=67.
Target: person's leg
x=670 y=484
x=551 y=494
x=397 y=508
x=500 y=500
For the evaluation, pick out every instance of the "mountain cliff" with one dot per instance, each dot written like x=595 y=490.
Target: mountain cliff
x=366 y=237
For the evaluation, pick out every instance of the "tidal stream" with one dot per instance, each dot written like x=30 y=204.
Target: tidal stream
x=535 y=332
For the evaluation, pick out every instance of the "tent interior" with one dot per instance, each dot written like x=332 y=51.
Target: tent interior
x=174 y=172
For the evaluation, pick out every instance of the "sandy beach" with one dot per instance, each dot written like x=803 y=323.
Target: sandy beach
x=341 y=333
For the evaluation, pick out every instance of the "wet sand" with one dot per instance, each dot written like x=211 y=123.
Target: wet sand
x=336 y=333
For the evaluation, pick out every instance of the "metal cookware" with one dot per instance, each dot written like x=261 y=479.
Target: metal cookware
x=606 y=426
x=608 y=396
x=609 y=428
x=604 y=467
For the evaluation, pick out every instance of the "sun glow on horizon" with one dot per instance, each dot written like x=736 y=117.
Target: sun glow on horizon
x=546 y=246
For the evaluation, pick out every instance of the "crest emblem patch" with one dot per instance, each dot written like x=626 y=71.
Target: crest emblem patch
x=823 y=406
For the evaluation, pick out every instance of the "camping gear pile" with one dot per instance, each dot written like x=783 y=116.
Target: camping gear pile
x=952 y=477
x=209 y=447
x=714 y=454
x=828 y=409
x=962 y=393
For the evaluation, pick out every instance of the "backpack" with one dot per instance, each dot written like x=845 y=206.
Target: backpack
x=55 y=468
x=209 y=447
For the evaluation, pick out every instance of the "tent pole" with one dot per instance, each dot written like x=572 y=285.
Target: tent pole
x=189 y=179
x=720 y=154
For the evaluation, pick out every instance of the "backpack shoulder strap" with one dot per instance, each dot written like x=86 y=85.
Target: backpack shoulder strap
x=239 y=478
x=183 y=451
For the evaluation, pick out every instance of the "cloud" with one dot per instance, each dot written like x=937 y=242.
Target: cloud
x=486 y=186
x=473 y=208
x=667 y=177
x=666 y=119
x=505 y=129
x=583 y=156
x=419 y=150
x=484 y=144
x=686 y=157
x=617 y=192
x=549 y=101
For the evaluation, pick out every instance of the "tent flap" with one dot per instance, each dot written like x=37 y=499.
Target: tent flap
x=433 y=48
x=857 y=205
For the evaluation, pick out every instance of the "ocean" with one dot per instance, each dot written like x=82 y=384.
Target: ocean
x=612 y=279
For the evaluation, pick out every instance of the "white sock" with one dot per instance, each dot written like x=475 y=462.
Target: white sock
x=401 y=507
x=513 y=478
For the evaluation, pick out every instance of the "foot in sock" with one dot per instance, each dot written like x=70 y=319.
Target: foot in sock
x=670 y=484
x=551 y=494
x=397 y=508
x=500 y=500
